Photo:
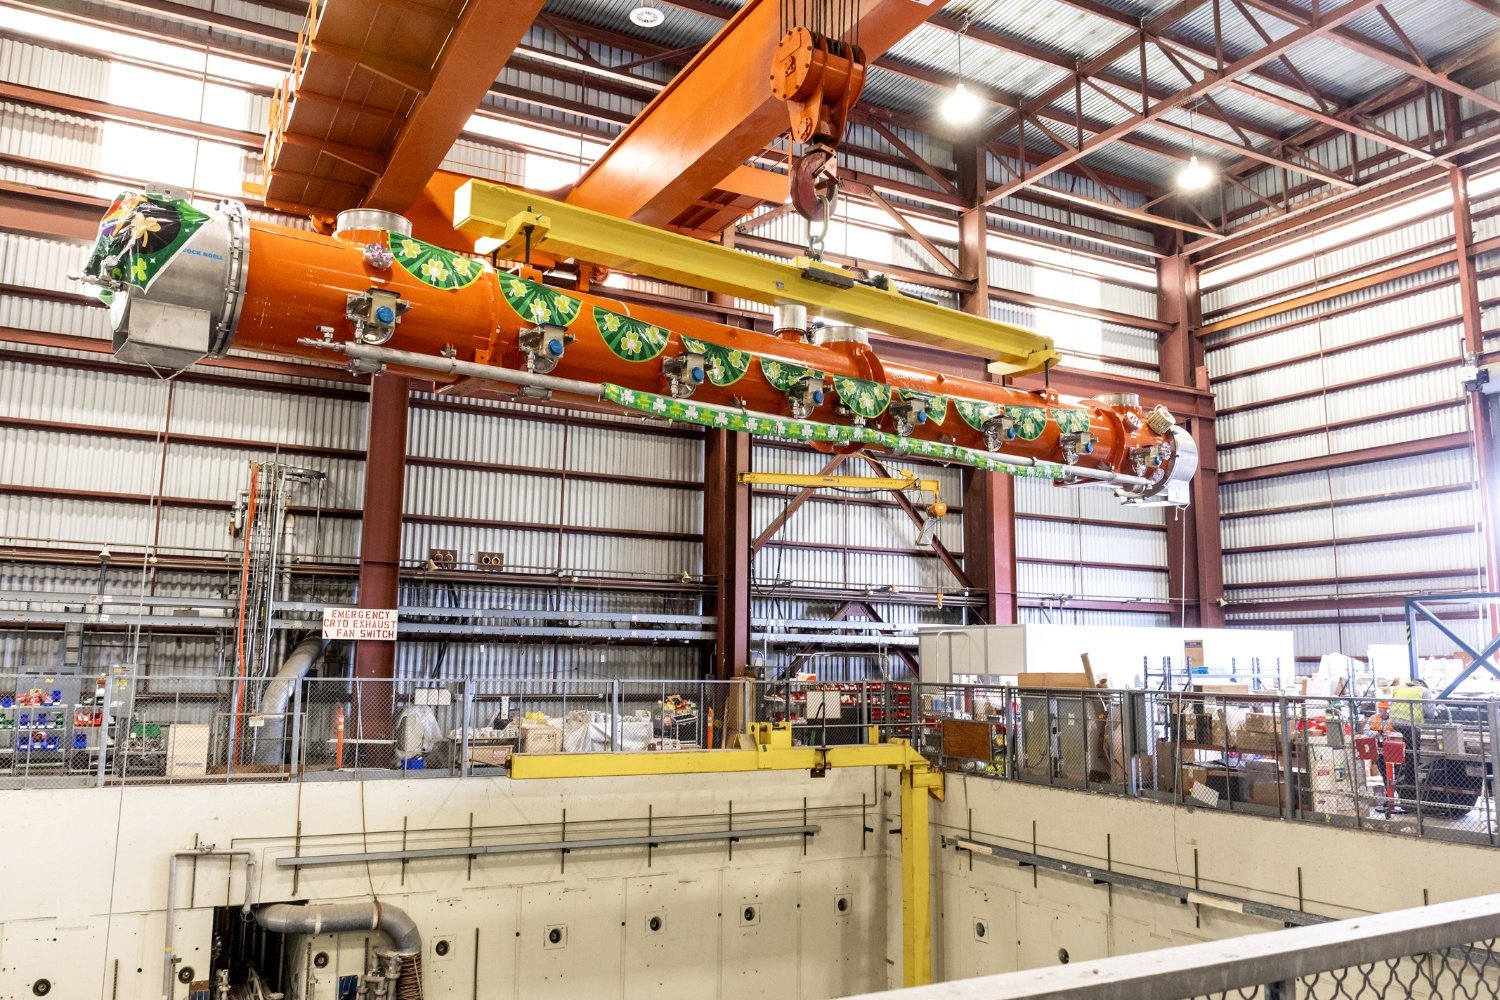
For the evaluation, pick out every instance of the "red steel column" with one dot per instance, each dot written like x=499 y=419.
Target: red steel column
x=1479 y=404
x=380 y=551
x=1195 y=558
x=726 y=546
x=990 y=542
x=989 y=497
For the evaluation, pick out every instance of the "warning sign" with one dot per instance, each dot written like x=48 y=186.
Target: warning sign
x=359 y=624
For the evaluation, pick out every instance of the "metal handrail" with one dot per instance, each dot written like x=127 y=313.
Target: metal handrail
x=1274 y=960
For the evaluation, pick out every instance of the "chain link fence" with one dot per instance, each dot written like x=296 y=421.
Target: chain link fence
x=1342 y=761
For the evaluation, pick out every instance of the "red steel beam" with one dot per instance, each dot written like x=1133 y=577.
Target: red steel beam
x=1312 y=28
x=990 y=542
x=1481 y=409
x=1195 y=562
x=715 y=115
x=794 y=505
x=726 y=547
x=473 y=56
x=380 y=551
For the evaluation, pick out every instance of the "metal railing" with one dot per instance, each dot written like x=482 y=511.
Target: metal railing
x=1324 y=760
x=1335 y=761
x=1442 y=951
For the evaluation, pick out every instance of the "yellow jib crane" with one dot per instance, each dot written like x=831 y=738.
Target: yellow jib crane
x=768 y=747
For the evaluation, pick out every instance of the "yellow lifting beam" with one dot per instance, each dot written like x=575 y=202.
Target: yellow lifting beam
x=768 y=747
x=900 y=479
x=485 y=210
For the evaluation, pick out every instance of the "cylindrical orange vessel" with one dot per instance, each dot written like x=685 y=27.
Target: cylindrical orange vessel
x=372 y=284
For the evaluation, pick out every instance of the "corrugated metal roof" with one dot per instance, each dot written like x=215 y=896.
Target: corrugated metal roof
x=997 y=70
x=678 y=27
x=1046 y=24
x=1438 y=28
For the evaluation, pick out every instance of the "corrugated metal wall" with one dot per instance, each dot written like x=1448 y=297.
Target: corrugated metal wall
x=1319 y=532
x=94 y=454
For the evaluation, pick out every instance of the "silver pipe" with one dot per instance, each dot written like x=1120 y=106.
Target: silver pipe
x=336 y=918
x=169 y=958
x=470 y=369
x=452 y=366
x=278 y=695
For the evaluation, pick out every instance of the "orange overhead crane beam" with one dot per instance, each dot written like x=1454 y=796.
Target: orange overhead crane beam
x=377 y=94
x=717 y=113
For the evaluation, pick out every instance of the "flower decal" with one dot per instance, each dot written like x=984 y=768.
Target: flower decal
x=861 y=397
x=628 y=338
x=724 y=365
x=433 y=265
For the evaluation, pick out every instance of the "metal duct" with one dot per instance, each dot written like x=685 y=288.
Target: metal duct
x=339 y=918
x=269 y=748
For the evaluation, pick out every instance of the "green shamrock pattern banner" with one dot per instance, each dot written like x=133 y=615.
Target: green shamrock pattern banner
x=861 y=397
x=433 y=265
x=726 y=365
x=1071 y=421
x=783 y=375
x=630 y=338
x=937 y=406
x=785 y=428
x=976 y=415
x=537 y=303
x=138 y=236
x=1029 y=421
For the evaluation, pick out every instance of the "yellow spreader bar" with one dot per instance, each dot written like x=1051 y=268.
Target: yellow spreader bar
x=483 y=209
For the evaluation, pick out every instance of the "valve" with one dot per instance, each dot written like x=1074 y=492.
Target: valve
x=375 y=314
x=1142 y=459
x=685 y=373
x=805 y=396
x=907 y=415
x=998 y=430
x=543 y=346
x=1074 y=445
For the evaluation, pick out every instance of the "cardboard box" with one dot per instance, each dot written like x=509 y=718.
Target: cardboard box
x=1258 y=743
x=1264 y=792
x=1166 y=765
x=1048 y=680
x=1193 y=774
x=538 y=737
x=1260 y=722
x=1213 y=687
x=490 y=756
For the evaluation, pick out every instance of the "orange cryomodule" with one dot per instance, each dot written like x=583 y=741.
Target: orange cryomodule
x=383 y=298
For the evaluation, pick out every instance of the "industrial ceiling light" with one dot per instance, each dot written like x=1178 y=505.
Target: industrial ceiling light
x=1195 y=176
x=647 y=15
x=962 y=106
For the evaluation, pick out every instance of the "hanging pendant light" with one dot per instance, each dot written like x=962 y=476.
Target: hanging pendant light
x=1195 y=176
x=962 y=106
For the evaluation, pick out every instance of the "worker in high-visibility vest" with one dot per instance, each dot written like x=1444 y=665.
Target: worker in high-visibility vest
x=1408 y=714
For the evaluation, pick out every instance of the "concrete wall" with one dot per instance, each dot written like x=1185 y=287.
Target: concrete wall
x=85 y=887
x=1030 y=914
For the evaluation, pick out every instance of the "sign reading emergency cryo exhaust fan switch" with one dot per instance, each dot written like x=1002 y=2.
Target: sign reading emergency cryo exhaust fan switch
x=359 y=624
